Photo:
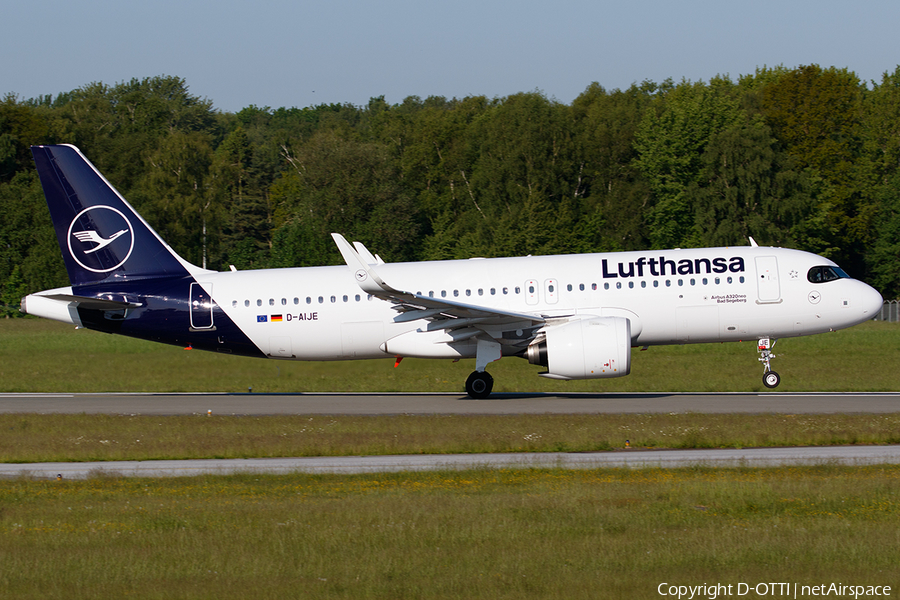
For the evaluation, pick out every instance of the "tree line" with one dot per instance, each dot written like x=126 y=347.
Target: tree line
x=806 y=158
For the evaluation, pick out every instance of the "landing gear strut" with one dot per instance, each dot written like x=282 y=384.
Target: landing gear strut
x=479 y=385
x=771 y=379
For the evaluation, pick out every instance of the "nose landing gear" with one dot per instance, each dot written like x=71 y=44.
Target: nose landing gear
x=771 y=379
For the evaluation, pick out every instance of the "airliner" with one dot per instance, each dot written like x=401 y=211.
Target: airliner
x=578 y=316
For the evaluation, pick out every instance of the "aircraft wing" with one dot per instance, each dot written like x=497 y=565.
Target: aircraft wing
x=440 y=312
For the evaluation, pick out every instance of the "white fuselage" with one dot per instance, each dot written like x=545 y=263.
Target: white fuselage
x=670 y=297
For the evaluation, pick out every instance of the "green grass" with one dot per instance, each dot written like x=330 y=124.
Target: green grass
x=37 y=355
x=51 y=438
x=475 y=534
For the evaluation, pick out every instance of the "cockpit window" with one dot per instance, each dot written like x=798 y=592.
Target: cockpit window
x=825 y=274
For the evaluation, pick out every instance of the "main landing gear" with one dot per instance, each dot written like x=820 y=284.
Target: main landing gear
x=479 y=385
x=771 y=379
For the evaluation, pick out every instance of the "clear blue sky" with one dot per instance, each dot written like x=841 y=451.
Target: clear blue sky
x=300 y=53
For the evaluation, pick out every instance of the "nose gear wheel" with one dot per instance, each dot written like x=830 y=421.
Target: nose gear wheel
x=771 y=379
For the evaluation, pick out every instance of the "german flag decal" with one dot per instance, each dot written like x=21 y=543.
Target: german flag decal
x=277 y=318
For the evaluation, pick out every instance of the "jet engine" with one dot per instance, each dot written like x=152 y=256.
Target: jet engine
x=589 y=348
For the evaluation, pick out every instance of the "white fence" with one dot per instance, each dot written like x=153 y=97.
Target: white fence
x=890 y=311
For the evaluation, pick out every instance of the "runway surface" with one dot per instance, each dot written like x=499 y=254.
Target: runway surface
x=727 y=457
x=497 y=404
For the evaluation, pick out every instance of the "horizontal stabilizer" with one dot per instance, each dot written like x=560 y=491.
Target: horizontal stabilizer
x=92 y=303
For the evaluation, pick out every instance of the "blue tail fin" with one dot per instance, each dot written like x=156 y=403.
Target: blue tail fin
x=100 y=234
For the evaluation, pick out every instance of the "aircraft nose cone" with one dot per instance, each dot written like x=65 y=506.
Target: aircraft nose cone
x=870 y=301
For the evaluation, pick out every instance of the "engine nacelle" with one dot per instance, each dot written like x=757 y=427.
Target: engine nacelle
x=590 y=348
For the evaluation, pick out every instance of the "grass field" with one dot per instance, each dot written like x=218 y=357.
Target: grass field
x=474 y=534
x=37 y=355
x=51 y=438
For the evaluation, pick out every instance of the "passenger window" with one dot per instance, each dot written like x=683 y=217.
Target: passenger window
x=308 y=300
x=259 y=301
x=234 y=304
x=358 y=298
x=333 y=299
x=346 y=298
x=594 y=286
x=271 y=301
x=296 y=300
x=656 y=283
x=630 y=285
x=468 y=292
x=321 y=299
x=668 y=283
x=643 y=284
x=494 y=291
x=455 y=293
x=505 y=291
x=606 y=285
x=284 y=301
x=480 y=292
x=246 y=303
x=618 y=285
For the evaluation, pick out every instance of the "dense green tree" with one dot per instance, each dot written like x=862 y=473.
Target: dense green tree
x=804 y=157
x=881 y=126
x=21 y=125
x=670 y=144
x=746 y=189
x=336 y=185
x=611 y=193
x=815 y=113
x=174 y=194
x=30 y=258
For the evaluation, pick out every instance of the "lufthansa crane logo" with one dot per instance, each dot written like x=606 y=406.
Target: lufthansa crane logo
x=100 y=239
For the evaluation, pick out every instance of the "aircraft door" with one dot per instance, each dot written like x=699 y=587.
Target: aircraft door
x=551 y=291
x=768 y=286
x=201 y=307
x=531 y=291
